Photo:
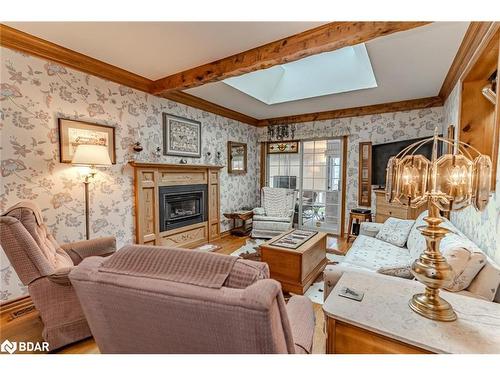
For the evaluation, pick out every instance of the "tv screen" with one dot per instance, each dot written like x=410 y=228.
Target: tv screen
x=382 y=152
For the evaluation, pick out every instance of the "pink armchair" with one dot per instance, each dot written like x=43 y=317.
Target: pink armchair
x=147 y=299
x=43 y=266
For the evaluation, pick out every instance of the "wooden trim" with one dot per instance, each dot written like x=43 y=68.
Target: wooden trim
x=368 y=202
x=21 y=41
x=471 y=41
x=345 y=141
x=406 y=105
x=325 y=38
x=24 y=42
x=194 y=101
x=139 y=164
x=263 y=164
x=16 y=307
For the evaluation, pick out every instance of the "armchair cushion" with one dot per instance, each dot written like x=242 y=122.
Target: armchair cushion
x=395 y=231
x=60 y=276
x=285 y=219
x=302 y=321
x=78 y=251
x=259 y=211
x=278 y=202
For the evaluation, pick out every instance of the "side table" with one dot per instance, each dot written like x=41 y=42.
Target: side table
x=244 y=216
x=357 y=217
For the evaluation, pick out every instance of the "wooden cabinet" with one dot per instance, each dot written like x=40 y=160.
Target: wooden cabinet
x=384 y=209
x=479 y=117
x=148 y=177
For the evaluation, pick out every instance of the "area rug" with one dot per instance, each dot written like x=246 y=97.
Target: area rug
x=251 y=251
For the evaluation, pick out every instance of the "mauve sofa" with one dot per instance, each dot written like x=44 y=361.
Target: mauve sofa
x=150 y=299
x=43 y=266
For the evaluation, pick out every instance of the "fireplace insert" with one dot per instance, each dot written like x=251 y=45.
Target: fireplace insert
x=182 y=205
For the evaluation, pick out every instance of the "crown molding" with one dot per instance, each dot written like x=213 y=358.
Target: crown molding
x=406 y=105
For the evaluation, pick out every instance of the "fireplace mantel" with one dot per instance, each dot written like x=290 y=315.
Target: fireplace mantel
x=139 y=164
x=149 y=177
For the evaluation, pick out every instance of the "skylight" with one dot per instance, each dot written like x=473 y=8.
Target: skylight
x=343 y=70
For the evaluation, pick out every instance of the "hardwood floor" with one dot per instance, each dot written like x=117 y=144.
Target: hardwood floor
x=29 y=327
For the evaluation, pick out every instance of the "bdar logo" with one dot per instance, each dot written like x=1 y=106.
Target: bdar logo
x=9 y=347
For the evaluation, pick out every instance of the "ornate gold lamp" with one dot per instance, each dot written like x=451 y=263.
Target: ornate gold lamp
x=450 y=182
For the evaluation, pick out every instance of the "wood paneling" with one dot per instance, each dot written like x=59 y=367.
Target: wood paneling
x=345 y=141
x=187 y=236
x=325 y=38
x=20 y=41
x=472 y=39
x=344 y=338
x=405 y=105
x=193 y=101
x=365 y=174
x=480 y=119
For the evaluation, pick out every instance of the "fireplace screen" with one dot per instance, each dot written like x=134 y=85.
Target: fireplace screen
x=182 y=205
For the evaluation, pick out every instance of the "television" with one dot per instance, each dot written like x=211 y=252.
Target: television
x=382 y=152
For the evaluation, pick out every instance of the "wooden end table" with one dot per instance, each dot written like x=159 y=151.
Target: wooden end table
x=244 y=216
x=357 y=217
x=383 y=323
x=296 y=269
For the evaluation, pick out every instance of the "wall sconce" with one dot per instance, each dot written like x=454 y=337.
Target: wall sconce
x=92 y=156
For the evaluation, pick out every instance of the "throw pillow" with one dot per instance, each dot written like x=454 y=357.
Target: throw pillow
x=465 y=259
x=403 y=272
x=395 y=231
x=486 y=282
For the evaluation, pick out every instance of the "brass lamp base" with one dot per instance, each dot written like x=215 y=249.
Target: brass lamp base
x=431 y=306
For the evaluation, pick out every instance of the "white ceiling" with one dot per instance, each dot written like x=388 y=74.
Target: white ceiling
x=407 y=65
x=157 y=49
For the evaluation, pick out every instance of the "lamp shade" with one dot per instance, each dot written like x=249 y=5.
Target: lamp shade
x=94 y=155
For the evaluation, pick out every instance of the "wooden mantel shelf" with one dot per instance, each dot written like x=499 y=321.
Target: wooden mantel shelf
x=139 y=164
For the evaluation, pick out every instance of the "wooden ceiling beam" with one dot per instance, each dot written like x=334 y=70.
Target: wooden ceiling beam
x=406 y=105
x=471 y=41
x=325 y=38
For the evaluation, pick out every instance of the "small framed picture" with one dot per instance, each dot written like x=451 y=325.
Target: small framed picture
x=73 y=133
x=181 y=136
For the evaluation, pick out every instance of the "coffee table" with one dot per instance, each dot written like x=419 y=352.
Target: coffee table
x=296 y=269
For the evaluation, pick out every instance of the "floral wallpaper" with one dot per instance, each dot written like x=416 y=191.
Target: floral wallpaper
x=381 y=128
x=481 y=227
x=34 y=93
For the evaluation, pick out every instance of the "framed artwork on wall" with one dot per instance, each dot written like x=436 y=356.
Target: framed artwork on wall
x=181 y=136
x=73 y=133
x=365 y=174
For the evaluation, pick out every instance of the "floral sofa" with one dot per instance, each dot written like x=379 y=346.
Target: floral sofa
x=474 y=273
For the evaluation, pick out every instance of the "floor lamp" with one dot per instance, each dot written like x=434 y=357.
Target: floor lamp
x=92 y=156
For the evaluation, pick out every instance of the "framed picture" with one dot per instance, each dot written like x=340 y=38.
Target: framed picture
x=181 y=136
x=73 y=133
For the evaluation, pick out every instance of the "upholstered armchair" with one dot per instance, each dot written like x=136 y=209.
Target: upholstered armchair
x=43 y=266
x=151 y=299
x=276 y=214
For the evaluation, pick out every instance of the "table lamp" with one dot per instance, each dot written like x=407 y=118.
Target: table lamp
x=450 y=182
x=92 y=156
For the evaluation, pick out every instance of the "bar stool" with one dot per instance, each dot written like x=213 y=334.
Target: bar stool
x=359 y=215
